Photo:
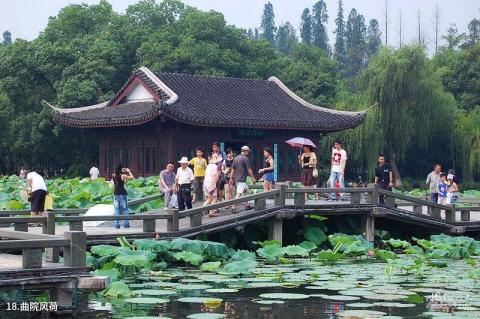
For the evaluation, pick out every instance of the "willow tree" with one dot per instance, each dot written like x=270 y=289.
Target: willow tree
x=411 y=101
x=466 y=143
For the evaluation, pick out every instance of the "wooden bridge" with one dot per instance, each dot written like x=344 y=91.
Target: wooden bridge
x=64 y=229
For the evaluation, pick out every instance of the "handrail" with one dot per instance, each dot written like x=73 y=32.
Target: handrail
x=328 y=190
x=198 y=210
x=33 y=243
x=73 y=211
x=111 y=217
x=412 y=199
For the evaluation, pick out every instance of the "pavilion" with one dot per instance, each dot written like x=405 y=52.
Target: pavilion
x=159 y=117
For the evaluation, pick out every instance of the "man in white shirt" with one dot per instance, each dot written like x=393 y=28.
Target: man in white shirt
x=337 y=173
x=183 y=184
x=94 y=173
x=37 y=190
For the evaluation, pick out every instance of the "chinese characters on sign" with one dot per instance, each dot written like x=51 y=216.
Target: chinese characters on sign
x=31 y=306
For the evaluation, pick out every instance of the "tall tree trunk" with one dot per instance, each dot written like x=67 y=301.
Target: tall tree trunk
x=393 y=163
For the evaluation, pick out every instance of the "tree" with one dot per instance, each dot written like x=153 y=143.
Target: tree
x=306 y=27
x=340 y=34
x=453 y=38
x=250 y=34
x=400 y=29
x=412 y=104
x=268 y=23
x=473 y=34
x=7 y=37
x=319 y=25
x=356 y=55
x=386 y=22
x=436 y=25
x=373 y=38
x=286 y=38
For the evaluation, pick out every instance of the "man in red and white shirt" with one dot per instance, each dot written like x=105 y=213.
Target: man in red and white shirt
x=337 y=173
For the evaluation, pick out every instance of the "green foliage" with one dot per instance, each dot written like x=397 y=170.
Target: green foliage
x=295 y=250
x=271 y=252
x=240 y=267
x=107 y=250
x=137 y=259
x=210 y=266
x=396 y=243
x=314 y=234
x=116 y=290
x=329 y=256
x=308 y=245
x=384 y=255
x=114 y=274
x=244 y=254
x=189 y=257
x=157 y=246
x=268 y=23
x=354 y=245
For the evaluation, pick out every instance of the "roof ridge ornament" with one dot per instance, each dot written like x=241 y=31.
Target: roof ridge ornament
x=173 y=96
x=297 y=98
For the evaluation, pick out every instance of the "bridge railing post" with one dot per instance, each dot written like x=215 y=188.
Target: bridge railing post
x=149 y=225
x=299 y=200
x=465 y=216
x=52 y=254
x=280 y=197
x=373 y=194
x=260 y=204
x=196 y=220
x=450 y=214
x=20 y=226
x=435 y=212
x=355 y=198
x=74 y=255
x=173 y=223
x=289 y=185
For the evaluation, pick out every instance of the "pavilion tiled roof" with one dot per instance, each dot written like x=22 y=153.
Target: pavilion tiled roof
x=213 y=101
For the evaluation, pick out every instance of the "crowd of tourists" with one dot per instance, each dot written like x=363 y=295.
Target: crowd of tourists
x=223 y=176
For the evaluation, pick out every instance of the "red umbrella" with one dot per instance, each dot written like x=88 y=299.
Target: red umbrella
x=300 y=142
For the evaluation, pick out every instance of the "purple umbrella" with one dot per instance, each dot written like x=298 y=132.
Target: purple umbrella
x=300 y=142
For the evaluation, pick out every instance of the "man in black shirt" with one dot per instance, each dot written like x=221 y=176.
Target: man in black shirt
x=383 y=177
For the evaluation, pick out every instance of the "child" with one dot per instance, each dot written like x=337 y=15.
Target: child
x=442 y=190
x=452 y=190
x=199 y=165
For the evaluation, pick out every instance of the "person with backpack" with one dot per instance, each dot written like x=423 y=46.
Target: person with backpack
x=120 y=200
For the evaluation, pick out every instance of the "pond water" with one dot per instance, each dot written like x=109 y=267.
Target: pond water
x=306 y=289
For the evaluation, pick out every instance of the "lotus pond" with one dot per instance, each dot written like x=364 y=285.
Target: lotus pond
x=182 y=278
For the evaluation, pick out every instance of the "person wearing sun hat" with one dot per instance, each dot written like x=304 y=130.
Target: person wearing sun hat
x=183 y=184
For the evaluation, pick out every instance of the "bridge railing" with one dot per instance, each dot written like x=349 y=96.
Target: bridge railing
x=433 y=210
x=75 y=211
x=73 y=244
x=361 y=195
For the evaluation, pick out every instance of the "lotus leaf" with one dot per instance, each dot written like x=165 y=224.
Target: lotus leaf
x=267 y=243
x=216 y=250
x=328 y=255
x=139 y=258
x=244 y=267
x=281 y=296
x=189 y=257
x=210 y=266
x=206 y=315
x=271 y=252
x=146 y=300
x=397 y=243
x=371 y=314
x=221 y=290
x=381 y=254
x=308 y=245
x=244 y=254
x=294 y=250
x=184 y=244
x=192 y=287
x=118 y=289
x=153 y=292
x=359 y=305
x=107 y=250
x=314 y=234
x=158 y=246
x=198 y=299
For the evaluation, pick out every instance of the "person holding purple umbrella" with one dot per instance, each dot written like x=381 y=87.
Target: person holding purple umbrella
x=308 y=162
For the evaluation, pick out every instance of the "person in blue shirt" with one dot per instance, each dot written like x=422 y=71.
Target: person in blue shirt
x=442 y=189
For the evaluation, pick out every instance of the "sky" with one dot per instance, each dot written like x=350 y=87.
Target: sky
x=26 y=18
